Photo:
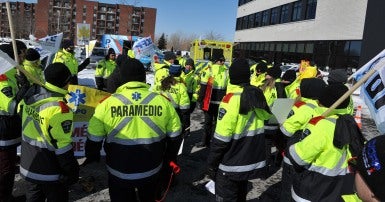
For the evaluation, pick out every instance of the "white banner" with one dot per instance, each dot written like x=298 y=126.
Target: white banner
x=373 y=90
x=6 y=62
x=143 y=47
x=51 y=43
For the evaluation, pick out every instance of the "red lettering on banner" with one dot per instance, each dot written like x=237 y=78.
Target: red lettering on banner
x=80 y=131
x=78 y=146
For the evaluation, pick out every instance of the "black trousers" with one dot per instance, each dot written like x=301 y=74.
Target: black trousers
x=51 y=192
x=7 y=173
x=121 y=191
x=227 y=190
x=210 y=123
x=288 y=175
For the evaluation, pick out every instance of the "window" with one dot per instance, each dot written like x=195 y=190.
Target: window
x=265 y=18
x=272 y=47
x=278 y=47
x=311 y=6
x=251 y=21
x=285 y=47
x=284 y=13
x=239 y=24
x=292 y=47
x=274 y=16
x=257 y=20
x=245 y=22
x=300 y=48
x=309 y=48
x=355 y=48
x=297 y=8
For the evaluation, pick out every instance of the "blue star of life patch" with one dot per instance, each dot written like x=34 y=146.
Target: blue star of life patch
x=77 y=97
x=136 y=96
x=221 y=113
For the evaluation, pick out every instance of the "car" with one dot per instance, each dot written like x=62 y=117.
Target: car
x=97 y=54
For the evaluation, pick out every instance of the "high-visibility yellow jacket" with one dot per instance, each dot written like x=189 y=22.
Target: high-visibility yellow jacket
x=10 y=121
x=34 y=69
x=141 y=129
x=47 y=136
x=292 y=90
x=238 y=147
x=257 y=80
x=161 y=72
x=192 y=82
x=220 y=76
x=325 y=167
x=68 y=59
x=103 y=71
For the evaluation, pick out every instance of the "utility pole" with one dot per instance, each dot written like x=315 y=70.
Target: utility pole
x=58 y=22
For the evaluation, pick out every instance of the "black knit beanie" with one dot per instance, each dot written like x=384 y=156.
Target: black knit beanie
x=337 y=76
x=190 y=62
x=274 y=72
x=132 y=70
x=289 y=75
x=57 y=74
x=175 y=70
x=332 y=93
x=312 y=88
x=67 y=43
x=371 y=165
x=239 y=72
x=261 y=67
x=32 y=54
x=169 y=56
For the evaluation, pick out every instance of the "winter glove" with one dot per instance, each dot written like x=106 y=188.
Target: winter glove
x=69 y=168
x=84 y=64
x=99 y=83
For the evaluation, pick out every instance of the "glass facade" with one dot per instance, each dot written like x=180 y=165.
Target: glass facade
x=335 y=54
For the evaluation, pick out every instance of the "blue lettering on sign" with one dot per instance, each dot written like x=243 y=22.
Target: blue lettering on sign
x=81 y=111
x=376 y=91
x=108 y=41
x=143 y=43
x=53 y=38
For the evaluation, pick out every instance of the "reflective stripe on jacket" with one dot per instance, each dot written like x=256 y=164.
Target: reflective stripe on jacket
x=136 y=122
x=47 y=131
x=325 y=166
x=10 y=122
x=238 y=145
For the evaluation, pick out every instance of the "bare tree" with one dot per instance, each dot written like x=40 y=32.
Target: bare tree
x=211 y=35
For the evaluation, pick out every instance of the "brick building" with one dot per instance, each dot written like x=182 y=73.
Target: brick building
x=54 y=16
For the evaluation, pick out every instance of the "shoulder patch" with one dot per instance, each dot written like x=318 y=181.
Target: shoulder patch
x=221 y=113
x=315 y=120
x=66 y=126
x=227 y=97
x=299 y=104
x=64 y=107
x=3 y=77
x=297 y=91
x=104 y=98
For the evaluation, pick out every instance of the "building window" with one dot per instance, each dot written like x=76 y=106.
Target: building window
x=239 y=24
x=257 y=20
x=245 y=22
x=251 y=21
x=284 y=13
x=274 y=16
x=311 y=6
x=309 y=48
x=297 y=8
x=265 y=18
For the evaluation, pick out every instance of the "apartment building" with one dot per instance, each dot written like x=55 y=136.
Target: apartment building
x=329 y=32
x=23 y=19
x=55 y=16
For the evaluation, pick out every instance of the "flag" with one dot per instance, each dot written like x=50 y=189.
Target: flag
x=373 y=90
x=6 y=62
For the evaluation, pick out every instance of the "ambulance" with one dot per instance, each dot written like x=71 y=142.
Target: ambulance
x=202 y=52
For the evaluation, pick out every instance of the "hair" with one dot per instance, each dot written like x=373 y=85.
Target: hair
x=269 y=83
x=168 y=82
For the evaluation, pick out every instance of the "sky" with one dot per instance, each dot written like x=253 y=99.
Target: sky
x=197 y=17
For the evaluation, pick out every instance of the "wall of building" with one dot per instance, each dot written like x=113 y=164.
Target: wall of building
x=335 y=20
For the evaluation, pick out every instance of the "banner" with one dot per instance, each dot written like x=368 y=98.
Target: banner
x=83 y=32
x=82 y=101
x=6 y=62
x=51 y=43
x=143 y=47
x=116 y=41
x=373 y=90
